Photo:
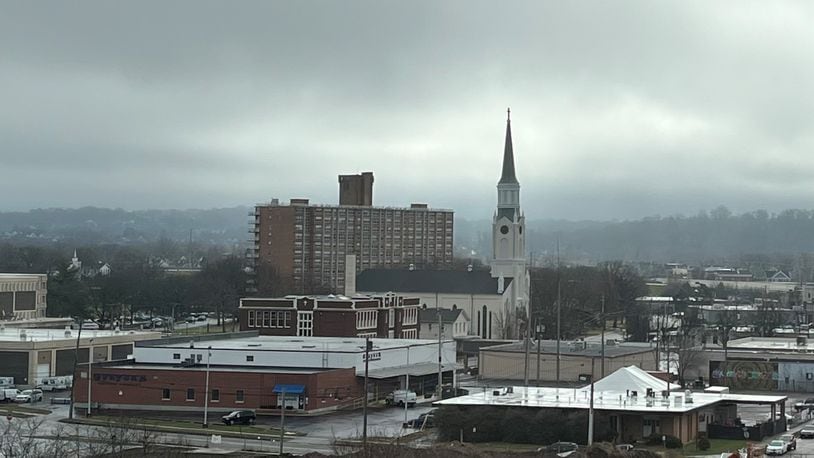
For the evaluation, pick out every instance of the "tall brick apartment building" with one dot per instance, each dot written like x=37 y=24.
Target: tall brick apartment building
x=303 y=247
x=385 y=316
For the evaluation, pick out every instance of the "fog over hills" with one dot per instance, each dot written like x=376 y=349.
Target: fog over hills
x=717 y=236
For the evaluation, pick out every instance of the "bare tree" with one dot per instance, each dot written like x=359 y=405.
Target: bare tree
x=725 y=326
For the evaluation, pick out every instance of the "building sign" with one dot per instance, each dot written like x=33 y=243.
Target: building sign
x=119 y=378
x=372 y=356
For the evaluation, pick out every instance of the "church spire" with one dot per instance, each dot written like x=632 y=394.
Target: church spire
x=508 y=153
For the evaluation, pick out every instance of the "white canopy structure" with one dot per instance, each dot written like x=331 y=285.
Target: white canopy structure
x=634 y=379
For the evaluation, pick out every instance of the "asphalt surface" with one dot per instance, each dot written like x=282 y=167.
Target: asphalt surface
x=320 y=431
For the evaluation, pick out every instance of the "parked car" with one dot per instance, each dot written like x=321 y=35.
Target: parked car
x=201 y=318
x=240 y=417
x=400 y=397
x=807 y=432
x=790 y=440
x=425 y=420
x=8 y=394
x=777 y=447
x=563 y=448
x=624 y=447
x=29 y=396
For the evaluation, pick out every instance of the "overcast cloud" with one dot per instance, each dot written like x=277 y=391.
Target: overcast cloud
x=620 y=109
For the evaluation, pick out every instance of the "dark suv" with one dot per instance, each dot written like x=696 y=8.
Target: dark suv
x=240 y=417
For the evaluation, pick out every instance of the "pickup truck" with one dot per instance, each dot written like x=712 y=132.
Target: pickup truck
x=401 y=397
x=807 y=404
x=8 y=394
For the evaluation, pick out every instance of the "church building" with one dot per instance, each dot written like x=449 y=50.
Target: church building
x=496 y=302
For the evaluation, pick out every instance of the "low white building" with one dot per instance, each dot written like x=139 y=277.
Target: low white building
x=23 y=296
x=635 y=407
x=32 y=354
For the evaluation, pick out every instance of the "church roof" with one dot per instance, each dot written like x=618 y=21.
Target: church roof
x=431 y=315
x=428 y=281
x=508 y=175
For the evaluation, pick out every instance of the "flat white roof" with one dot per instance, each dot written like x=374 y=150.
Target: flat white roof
x=291 y=343
x=770 y=343
x=579 y=398
x=48 y=335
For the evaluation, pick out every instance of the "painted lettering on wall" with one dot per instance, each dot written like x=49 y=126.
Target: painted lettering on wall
x=119 y=378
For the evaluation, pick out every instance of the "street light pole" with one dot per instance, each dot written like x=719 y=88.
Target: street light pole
x=591 y=407
x=282 y=422
x=368 y=346
x=206 y=390
x=407 y=385
x=559 y=301
x=90 y=370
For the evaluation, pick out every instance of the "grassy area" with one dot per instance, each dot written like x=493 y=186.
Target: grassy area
x=504 y=446
x=717 y=446
x=214 y=426
x=21 y=408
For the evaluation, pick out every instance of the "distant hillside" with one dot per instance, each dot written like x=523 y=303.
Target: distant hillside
x=711 y=237
x=91 y=225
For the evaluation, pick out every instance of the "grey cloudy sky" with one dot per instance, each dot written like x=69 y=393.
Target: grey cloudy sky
x=619 y=109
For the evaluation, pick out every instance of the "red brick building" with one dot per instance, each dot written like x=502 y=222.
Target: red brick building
x=385 y=316
x=301 y=247
x=122 y=386
x=248 y=371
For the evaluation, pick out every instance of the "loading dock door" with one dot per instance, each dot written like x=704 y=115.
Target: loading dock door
x=43 y=370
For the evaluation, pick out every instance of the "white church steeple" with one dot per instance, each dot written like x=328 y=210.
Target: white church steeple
x=508 y=234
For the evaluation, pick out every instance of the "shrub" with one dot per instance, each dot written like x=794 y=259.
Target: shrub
x=703 y=444
x=673 y=442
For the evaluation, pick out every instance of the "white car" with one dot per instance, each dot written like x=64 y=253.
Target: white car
x=777 y=447
x=29 y=396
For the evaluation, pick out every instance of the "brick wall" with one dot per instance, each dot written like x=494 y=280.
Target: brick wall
x=145 y=387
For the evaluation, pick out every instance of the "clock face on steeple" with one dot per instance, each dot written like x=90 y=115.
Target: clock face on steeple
x=504 y=229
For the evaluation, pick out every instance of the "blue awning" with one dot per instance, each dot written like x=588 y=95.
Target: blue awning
x=289 y=389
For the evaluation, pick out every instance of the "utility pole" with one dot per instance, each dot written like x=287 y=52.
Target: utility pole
x=591 y=407
x=282 y=419
x=526 y=356
x=602 y=317
x=559 y=301
x=440 y=343
x=407 y=385
x=539 y=333
x=90 y=371
x=206 y=390
x=368 y=346
x=75 y=361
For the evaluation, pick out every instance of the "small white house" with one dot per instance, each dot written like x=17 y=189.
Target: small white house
x=455 y=323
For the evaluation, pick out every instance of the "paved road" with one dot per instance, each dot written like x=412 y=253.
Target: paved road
x=320 y=431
